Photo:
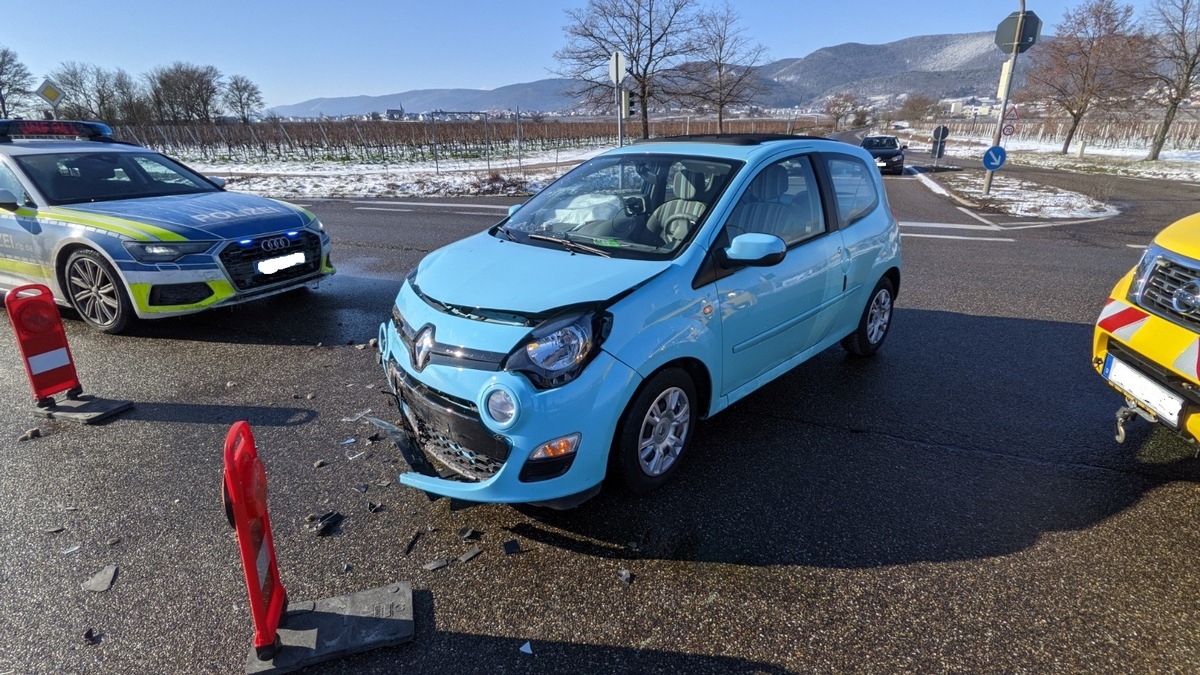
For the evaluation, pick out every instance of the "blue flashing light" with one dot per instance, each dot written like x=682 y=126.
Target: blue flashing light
x=293 y=233
x=245 y=242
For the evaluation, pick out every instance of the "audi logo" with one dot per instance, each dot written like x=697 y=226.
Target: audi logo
x=275 y=244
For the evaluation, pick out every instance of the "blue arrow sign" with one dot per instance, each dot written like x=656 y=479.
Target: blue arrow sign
x=994 y=158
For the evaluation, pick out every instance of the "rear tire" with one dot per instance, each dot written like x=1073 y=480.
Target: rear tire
x=96 y=292
x=875 y=323
x=656 y=430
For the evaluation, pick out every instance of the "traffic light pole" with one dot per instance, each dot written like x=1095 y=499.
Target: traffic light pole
x=1012 y=73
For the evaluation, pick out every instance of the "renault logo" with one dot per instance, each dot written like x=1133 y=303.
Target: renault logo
x=422 y=347
x=275 y=244
x=1186 y=299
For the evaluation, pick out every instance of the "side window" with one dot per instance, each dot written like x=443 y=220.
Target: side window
x=8 y=181
x=854 y=187
x=782 y=200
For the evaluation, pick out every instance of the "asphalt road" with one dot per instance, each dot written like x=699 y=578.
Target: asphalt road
x=956 y=504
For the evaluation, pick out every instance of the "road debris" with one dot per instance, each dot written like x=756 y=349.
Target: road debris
x=625 y=575
x=512 y=547
x=436 y=564
x=527 y=649
x=92 y=637
x=310 y=396
x=325 y=523
x=351 y=455
x=230 y=384
x=113 y=541
x=102 y=580
x=356 y=416
x=360 y=488
x=412 y=543
x=346 y=567
x=350 y=441
x=469 y=533
x=383 y=482
x=54 y=530
x=372 y=507
x=71 y=550
x=373 y=343
x=318 y=464
x=475 y=550
x=30 y=434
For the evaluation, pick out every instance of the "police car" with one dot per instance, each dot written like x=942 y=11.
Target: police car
x=120 y=232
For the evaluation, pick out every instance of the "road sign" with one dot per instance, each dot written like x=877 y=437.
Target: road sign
x=1006 y=32
x=941 y=133
x=50 y=93
x=1011 y=115
x=1008 y=130
x=994 y=158
x=616 y=67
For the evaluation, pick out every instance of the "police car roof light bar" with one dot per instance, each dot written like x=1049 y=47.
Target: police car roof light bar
x=69 y=128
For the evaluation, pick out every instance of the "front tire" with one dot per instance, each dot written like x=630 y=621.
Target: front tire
x=96 y=293
x=875 y=323
x=656 y=430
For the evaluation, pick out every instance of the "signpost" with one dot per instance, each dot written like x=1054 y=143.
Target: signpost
x=50 y=93
x=938 y=149
x=1014 y=35
x=616 y=72
x=994 y=158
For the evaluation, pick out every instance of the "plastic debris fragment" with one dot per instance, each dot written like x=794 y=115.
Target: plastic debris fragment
x=102 y=580
x=356 y=416
x=475 y=550
x=71 y=550
x=360 y=488
x=310 y=396
x=349 y=441
x=412 y=543
x=383 y=483
x=54 y=530
x=113 y=541
x=351 y=455
x=91 y=637
x=318 y=464
x=527 y=649
x=326 y=523
x=436 y=564
x=512 y=547
x=625 y=575
x=373 y=507
x=346 y=567
x=373 y=343
x=469 y=533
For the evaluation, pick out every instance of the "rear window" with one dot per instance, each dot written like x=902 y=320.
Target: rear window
x=71 y=178
x=854 y=187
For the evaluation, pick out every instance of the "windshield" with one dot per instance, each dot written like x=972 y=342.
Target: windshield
x=70 y=178
x=641 y=206
x=880 y=143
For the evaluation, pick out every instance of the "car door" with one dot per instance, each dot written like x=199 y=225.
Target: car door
x=768 y=314
x=20 y=254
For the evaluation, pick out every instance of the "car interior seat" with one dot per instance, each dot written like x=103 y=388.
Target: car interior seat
x=763 y=211
x=674 y=219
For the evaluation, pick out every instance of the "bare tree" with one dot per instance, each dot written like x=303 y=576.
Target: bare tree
x=725 y=72
x=132 y=100
x=243 y=97
x=918 y=107
x=15 y=82
x=184 y=92
x=1091 y=63
x=1174 y=55
x=840 y=106
x=89 y=91
x=655 y=35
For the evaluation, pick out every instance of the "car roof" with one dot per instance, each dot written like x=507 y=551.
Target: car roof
x=741 y=147
x=42 y=146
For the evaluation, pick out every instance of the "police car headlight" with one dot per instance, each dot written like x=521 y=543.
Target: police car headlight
x=315 y=225
x=165 y=251
x=557 y=351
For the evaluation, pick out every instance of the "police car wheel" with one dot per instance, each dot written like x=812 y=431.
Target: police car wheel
x=656 y=430
x=95 y=291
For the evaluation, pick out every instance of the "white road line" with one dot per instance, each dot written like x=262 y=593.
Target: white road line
x=1055 y=224
x=378 y=208
x=497 y=207
x=951 y=236
x=1140 y=247
x=933 y=187
x=978 y=217
x=949 y=226
x=474 y=213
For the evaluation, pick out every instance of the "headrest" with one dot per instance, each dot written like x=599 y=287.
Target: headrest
x=770 y=184
x=687 y=184
x=95 y=170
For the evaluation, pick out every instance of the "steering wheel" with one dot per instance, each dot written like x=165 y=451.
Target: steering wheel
x=635 y=206
x=668 y=226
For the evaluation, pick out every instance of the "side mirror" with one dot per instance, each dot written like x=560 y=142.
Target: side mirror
x=8 y=201
x=512 y=210
x=904 y=147
x=755 y=249
x=219 y=182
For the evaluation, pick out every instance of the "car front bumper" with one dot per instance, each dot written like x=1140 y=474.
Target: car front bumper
x=1152 y=361
x=464 y=454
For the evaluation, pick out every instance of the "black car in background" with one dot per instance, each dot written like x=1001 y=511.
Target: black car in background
x=887 y=152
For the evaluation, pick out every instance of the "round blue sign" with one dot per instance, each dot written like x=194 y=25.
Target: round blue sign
x=994 y=158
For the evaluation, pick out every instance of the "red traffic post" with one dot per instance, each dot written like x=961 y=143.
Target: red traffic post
x=245 y=497
x=43 y=343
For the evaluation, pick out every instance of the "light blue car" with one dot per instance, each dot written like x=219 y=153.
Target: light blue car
x=650 y=287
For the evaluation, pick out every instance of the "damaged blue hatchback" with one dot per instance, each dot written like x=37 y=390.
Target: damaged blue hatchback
x=650 y=287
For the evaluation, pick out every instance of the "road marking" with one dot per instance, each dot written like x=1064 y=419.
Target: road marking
x=1032 y=226
x=978 y=217
x=474 y=213
x=497 y=207
x=933 y=186
x=1140 y=247
x=950 y=226
x=952 y=236
x=379 y=208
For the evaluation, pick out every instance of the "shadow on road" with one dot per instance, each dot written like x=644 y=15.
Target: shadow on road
x=196 y=413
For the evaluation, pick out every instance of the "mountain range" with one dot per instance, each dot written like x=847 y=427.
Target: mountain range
x=943 y=66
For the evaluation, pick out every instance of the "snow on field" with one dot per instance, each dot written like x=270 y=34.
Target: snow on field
x=1024 y=198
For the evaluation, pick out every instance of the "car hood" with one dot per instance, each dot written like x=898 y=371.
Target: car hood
x=1182 y=237
x=225 y=215
x=484 y=272
x=884 y=153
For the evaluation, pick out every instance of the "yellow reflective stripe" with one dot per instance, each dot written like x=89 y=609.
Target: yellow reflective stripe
x=140 y=293
x=129 y=228
x=325 y=266
x=25 y=268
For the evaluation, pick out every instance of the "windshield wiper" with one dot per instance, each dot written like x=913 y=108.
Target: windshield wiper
x=504 y=230
x=571 y=244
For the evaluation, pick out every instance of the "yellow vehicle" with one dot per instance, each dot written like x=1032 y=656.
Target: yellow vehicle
x=1147 y=343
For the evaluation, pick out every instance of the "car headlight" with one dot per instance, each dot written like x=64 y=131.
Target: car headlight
x=315 y=225
x=557 y=350
x=165 y=251
x=501 y=406
x=1141 y=273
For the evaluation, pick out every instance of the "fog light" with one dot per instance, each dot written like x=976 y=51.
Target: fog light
x=501 y=406
x=559 y=447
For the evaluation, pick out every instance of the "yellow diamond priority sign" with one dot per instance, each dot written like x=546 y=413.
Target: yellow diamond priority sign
x=50 y=93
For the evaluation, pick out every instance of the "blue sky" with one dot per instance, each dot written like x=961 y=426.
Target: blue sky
x=305 y=49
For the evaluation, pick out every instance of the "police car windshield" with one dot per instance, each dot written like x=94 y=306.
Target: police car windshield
x=72 y=178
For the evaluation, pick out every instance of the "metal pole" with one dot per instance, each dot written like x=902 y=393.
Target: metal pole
x=620 y=124
x=519 y=167
x=1012 y=74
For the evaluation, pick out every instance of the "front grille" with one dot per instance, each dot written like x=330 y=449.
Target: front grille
x=1166 y=278
x=240 y=258
x=449 y=430
x=162 y=295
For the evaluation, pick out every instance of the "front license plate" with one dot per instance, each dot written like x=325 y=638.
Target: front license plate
x=880 y=162
x=273 y=265
x=1165 y=403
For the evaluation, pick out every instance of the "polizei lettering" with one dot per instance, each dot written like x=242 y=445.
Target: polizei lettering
x=218 y=216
